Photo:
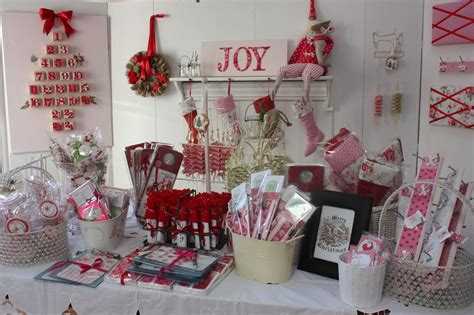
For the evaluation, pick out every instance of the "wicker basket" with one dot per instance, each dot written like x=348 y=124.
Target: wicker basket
x=48 y=244
x=434 y=287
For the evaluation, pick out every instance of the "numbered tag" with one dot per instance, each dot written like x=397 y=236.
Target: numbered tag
x=74 y=100
x=36 y=102
x=71 y=62
x=84 y=87
x=60 y=88
x=59 y=63
x=69 y=125
x=53 y=75
x=35 y=89
x=77 y=75
x=56 y=114
x=61 y=101
x=48 y=89
x=63 y=49
x=51 y=49
x=65 y=75
x=57 y=37
x=48 y=102
x=46 y=63
x=68 y=113
x=57 y=126
x=72 y=88
x=85 y=100
x=40 y=76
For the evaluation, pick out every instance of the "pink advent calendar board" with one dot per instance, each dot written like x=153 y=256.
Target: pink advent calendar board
x=54 y=84
x=243 y=58
x=453 y=23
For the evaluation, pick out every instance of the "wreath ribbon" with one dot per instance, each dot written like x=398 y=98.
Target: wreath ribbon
x=145 y=68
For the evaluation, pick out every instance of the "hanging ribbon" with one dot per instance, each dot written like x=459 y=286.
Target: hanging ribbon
x=145 y=67
x=49 y=16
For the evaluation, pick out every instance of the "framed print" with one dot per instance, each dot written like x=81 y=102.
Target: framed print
x=339 y=223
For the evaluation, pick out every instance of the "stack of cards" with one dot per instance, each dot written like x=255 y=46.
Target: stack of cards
x=173 y=263
x=142 y=268
x=87 y=268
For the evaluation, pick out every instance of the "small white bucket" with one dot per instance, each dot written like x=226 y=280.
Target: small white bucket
x=361 y=287
x=103 y=235
x=262 y=261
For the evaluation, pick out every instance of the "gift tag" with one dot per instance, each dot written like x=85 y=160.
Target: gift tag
x=48 y=210
x=16 y=225
x=414 y=220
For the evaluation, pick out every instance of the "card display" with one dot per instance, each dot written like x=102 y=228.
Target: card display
x=334 y=233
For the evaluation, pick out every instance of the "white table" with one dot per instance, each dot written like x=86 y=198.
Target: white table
x=305 y=293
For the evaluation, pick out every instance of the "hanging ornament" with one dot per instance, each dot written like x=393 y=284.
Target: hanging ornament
x=147 y=71
x=397 y=102
x=378 y=102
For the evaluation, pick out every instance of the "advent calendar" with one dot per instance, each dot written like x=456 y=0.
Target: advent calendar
x=57 y=82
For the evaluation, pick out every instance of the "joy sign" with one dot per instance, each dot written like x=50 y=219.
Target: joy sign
x=243 y=58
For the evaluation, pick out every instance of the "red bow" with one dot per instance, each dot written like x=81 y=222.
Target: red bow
x=182 y=255
x=85 y=267
x=145 y=68
x=49 y=16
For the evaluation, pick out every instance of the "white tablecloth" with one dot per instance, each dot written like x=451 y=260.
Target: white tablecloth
x=305 y=293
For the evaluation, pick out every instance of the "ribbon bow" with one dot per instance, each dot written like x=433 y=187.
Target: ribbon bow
x=49 y=17
x=457 y=238
x=84 y=267
x=185 y=255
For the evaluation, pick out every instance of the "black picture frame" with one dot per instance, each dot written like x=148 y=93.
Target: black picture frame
x=362 y=207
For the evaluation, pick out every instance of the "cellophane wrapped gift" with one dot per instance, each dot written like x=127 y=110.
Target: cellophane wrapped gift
x=83 y=157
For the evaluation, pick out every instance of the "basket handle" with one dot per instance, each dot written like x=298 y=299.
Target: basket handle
x=7 y=176
x=439 y=184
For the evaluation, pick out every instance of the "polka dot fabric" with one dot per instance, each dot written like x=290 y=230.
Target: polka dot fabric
x=305 y=52
x=411 y=240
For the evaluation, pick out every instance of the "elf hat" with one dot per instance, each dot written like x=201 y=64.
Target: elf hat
x=312 y=17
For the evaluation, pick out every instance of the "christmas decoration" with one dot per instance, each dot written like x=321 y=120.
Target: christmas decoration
x=314 y=135
x=147 y=71
x=308 y=60
x=58 y=82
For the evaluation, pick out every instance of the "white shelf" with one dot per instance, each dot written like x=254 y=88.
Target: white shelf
x=324 y=83
x=243 y=79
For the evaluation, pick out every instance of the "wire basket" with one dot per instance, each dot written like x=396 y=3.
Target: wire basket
x=37 y=247
x=433 y=287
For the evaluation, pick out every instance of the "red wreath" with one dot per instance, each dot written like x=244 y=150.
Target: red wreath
x=147 y=71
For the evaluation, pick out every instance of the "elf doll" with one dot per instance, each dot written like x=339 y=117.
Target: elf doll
x=308 y=62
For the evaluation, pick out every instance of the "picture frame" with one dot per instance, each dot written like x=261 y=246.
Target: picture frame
x=338 y=223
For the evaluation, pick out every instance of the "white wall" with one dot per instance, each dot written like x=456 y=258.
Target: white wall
x=354 y=68
x=455 y=144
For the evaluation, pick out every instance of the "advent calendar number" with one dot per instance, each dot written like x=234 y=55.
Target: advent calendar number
x=63 y=49
x=69 y=125
x=60 y=101
x=56 y=114
x=68 y=113
x=51 y=49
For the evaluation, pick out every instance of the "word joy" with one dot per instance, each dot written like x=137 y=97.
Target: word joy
x=249 y=52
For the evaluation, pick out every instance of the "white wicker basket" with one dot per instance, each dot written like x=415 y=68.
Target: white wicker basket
x=38 y=247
